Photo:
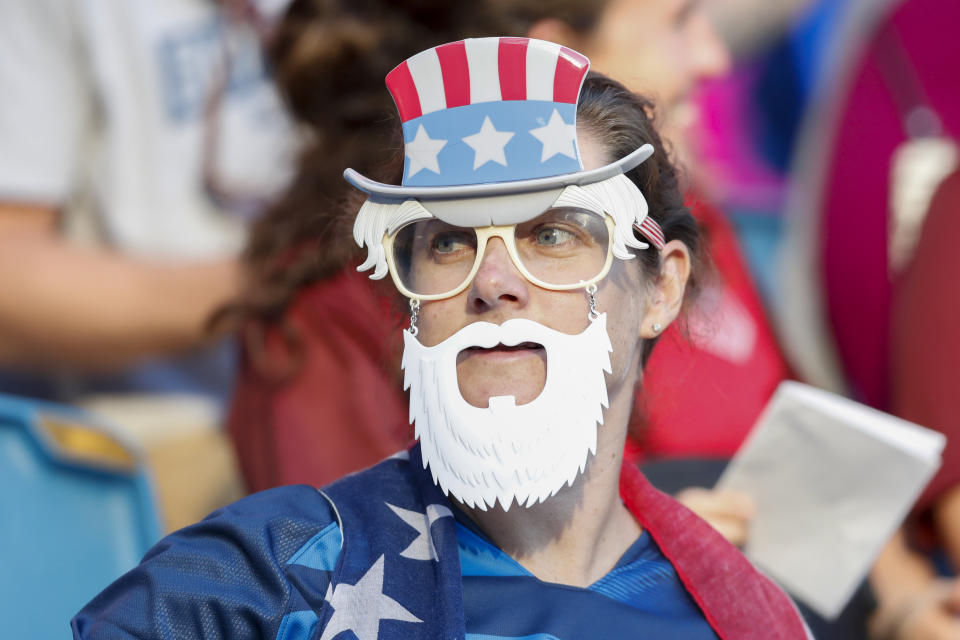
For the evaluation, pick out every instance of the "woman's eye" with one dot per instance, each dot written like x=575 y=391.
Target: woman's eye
x=551 y=236
x=449 y=242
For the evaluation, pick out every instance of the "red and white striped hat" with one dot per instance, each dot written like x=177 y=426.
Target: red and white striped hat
x=490 y=116
x=486 y=70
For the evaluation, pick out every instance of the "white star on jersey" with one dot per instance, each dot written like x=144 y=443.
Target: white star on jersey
x=422 y=548
x=557 y=137
x=360 y=607
x=488 y=144
x=422 y=151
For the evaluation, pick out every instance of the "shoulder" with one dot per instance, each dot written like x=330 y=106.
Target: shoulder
x=270 y=524
x=399 y=481
x=223 y=577
x=396 y=473
x=282 y=506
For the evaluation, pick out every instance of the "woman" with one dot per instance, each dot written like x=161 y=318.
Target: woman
x=541 y=258
x=317 y=328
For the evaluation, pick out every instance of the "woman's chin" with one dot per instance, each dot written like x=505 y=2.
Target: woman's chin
x=523 y=389
x=489 y=373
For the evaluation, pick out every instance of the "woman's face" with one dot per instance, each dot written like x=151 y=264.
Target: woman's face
x=499 y=292
x=662 y=48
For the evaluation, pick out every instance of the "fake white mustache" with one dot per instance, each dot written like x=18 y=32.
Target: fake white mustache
x=486 y=335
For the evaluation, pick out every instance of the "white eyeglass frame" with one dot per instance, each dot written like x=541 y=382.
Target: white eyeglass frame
x=507 y=234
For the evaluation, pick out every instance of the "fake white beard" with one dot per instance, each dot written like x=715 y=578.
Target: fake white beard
x=504 y=452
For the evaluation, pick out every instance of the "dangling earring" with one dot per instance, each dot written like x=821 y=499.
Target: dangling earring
x=591 y=290
x=414 y=309
x=657 y=327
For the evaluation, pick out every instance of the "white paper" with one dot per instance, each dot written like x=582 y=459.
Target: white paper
x=832 y=480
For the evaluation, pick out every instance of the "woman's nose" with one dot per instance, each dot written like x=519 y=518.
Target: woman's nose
x=711 y=57
x=498 y=281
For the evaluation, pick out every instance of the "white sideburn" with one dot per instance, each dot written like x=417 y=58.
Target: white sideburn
x=506 y=452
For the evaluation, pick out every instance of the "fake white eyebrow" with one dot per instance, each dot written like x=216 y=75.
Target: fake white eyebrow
x=619 y=198
x=377 y=219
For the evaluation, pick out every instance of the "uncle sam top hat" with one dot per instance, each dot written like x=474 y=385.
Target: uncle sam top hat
x=490 y=117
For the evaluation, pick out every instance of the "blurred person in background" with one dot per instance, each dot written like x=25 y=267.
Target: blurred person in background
x=137 y=142
x=745 y=143
x=870 y=264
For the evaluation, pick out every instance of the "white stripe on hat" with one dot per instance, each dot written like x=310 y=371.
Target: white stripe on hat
x=428 y=78
x=483 y=62
x=541 y=69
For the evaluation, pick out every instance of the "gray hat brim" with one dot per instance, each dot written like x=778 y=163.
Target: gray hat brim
x=381 y=191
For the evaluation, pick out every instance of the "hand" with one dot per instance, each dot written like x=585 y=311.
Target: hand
x=931 y=614
x=729 y=512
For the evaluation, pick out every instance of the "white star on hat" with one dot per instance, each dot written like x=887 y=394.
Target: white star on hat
x=557 y=137
x=422 y=151
x=422 y=548
x=360 y=608
x=488 y=144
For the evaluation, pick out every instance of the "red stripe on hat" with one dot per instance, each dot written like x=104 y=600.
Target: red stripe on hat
x=404 y=91
x=571 y=67
x=456 y=73
x=512 y=63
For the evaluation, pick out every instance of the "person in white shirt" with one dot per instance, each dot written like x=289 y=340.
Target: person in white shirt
x=137 y=139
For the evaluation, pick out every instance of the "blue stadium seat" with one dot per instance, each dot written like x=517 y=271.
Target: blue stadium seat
x=76 y=511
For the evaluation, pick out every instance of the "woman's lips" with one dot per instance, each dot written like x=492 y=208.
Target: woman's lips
x=502 y=352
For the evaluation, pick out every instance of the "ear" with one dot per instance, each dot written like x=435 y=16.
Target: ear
x=554 y=30
x=666 y=296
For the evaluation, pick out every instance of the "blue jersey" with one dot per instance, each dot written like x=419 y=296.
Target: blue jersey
x=641 y=597
x=377 y=555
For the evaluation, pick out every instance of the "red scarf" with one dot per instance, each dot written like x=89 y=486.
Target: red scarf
x=738 y=601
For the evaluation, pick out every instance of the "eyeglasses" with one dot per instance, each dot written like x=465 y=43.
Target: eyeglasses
x=562 y=249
